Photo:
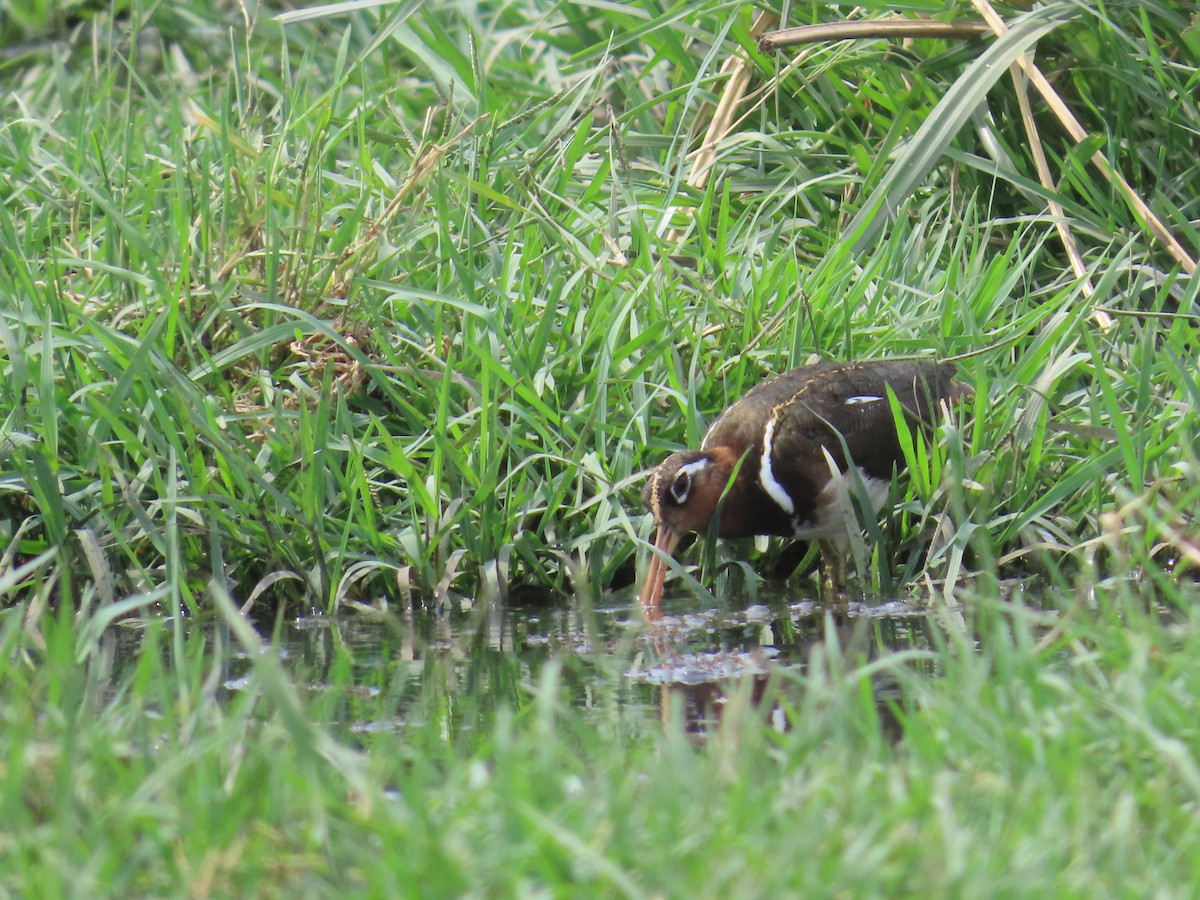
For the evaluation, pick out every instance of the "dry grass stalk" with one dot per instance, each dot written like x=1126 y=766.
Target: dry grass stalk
x=423 y=166
x=876 y=28
x=1020 y=84
x=738 y=70
x=1079 y=134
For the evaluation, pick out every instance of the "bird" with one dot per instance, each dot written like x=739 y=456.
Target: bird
x=777 y=461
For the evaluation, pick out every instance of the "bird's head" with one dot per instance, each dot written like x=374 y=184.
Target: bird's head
x=683 y=494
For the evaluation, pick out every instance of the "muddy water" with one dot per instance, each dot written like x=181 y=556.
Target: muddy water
x=455 y=669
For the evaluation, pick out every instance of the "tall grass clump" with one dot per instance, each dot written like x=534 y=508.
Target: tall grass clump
x=373 y=299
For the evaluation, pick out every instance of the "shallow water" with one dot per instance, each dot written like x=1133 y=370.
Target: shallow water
x=378 y=674
x=455 y=669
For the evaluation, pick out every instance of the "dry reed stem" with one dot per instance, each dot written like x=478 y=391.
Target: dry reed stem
x=877 y=28
x=1079 y=134
x=1021 y=86
x=737 y=68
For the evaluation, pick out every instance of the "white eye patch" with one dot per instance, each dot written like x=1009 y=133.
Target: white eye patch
x=682 y=485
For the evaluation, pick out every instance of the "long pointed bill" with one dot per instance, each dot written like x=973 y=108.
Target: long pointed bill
x=665 y=542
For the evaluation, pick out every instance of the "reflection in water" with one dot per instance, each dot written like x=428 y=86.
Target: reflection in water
x=374 y=674
x=454 y=671
x=744 y=648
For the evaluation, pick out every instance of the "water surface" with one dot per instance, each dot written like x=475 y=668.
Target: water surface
x=456 y=668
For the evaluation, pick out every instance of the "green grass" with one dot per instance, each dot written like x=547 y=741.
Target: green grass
x=1030 y=760
x=347 y=300
x=383 y=304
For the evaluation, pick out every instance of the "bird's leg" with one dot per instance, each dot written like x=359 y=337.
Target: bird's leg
x=835 y=551
x=834 y=565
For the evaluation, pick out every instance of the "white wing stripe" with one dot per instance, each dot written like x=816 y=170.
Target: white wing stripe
x=766 y=477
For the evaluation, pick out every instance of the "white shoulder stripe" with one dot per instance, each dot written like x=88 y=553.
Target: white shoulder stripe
x=767 y=478
x=861 y=400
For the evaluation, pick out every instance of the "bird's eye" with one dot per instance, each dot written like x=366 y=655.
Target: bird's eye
x=681 y=487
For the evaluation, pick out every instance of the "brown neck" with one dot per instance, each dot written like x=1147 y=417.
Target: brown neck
x=748 y=510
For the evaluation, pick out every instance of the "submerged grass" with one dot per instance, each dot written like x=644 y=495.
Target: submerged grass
x=388 y=301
